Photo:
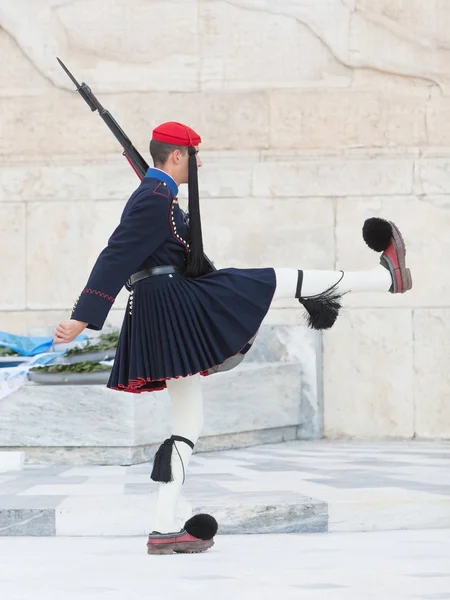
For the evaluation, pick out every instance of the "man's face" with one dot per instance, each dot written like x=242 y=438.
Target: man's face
x=199 y=160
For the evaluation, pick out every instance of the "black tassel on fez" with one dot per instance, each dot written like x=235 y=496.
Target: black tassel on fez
x=323 y=309
x=162 y=463
x=196 y=264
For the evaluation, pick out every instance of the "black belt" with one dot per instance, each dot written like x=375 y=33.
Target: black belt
x=164 y=270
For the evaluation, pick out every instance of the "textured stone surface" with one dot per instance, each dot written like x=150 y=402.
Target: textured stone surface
x=433 y=176
x=254 y=396
x=11 y=461
x=253 y=49
x=246 y=439
x=25 y=522
x=318 y=119
x=392 y=514
x=368 y=384
x=414 y=565
x=431 y=377
x=66 y=181
x=80 y=231
x=271 y=221
x=303 y=517
x=332 y=177
x=438 y=120
x=72 y=36
x=372 y=37
x=76 y=129
x=68 y=416
x=12 y=253
x=135 y=455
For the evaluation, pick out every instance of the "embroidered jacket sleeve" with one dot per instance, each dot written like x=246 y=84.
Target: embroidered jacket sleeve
x=141 y=231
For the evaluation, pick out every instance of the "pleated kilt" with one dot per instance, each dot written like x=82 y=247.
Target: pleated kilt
x=176 y=326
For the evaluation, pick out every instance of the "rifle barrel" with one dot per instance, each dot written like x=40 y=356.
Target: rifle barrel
x=68 y=73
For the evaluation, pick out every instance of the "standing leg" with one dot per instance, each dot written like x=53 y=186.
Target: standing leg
x=170 y=467
x=187 y=415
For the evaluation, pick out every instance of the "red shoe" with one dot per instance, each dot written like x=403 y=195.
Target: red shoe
x=384 y=236
x=394 y=259
x=196 y=536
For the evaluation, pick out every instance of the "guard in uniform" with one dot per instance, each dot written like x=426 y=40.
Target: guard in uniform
x=184 y=319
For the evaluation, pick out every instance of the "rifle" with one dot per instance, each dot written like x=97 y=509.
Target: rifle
x=136 y=160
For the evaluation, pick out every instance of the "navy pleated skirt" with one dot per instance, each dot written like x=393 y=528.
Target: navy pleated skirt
x=176 y=326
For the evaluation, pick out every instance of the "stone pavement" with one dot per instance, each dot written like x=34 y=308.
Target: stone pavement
x=293 y=487
x=413 y=565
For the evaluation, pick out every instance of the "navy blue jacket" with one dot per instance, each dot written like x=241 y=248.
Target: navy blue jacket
x=153 y=231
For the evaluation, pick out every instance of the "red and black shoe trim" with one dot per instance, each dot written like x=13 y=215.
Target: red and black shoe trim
x=384 y=236
x=196 y=536
x=394 y=259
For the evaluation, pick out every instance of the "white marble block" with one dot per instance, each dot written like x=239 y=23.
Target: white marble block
x=11 y=461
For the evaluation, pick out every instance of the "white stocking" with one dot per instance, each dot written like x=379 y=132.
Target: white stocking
x=187 y=412
x=316 y=282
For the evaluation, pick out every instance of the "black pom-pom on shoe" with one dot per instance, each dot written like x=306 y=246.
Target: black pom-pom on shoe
x=377 y=233
x=202 y=526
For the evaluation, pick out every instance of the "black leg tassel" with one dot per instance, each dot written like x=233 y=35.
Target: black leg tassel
x=162 y=463
x=323 y=310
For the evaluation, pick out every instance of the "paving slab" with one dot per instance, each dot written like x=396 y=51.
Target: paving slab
x=294 y=487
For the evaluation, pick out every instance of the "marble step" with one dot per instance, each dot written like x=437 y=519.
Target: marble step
x=259 y=402
x=308 y=486
x=116 y=515
x=129 y=516
x=11 y=461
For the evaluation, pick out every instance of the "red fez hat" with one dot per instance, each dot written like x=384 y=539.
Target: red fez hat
x=176 y=134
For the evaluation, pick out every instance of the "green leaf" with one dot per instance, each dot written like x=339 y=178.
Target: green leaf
x=82 y=367
x=106 y=341
x=7 y=352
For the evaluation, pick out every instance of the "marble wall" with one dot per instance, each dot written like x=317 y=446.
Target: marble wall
x=314 y=116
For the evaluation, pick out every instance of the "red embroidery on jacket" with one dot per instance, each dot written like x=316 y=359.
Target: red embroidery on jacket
x=165 y=189
x=97 y=293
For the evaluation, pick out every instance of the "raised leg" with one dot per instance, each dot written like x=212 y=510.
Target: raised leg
x=320 y=292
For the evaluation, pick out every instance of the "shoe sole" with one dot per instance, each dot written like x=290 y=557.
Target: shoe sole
x=180 y=548
x=401 y=253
